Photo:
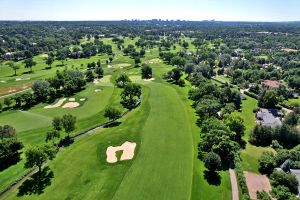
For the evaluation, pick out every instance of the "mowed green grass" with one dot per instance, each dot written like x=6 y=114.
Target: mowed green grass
x=162 y=169
x=250 y=154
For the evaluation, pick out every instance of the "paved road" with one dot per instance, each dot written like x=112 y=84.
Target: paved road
x=234 y=185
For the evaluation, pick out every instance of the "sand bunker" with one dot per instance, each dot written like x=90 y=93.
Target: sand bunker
x=96 y=81
x=82 y=99
x=98 y=90
x=122 y=65
x=150 y=79
x=127 y=154
x=109 y=66
x=153 y=61
x=256 y=182
x=22 y=79
x=57 y=104
x=71 y=105
x=71 y=99
x=2 y=81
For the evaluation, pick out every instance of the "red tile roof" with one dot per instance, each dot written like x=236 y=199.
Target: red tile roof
x=271 y=84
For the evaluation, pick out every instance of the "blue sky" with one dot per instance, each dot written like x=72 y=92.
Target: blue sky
x=227 y=10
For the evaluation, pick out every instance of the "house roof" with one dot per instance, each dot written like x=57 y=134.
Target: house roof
x=271 y=84
x=268 y=119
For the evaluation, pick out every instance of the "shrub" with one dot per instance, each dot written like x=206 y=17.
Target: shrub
x=279 y=178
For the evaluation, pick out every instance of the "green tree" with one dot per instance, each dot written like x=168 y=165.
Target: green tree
x=123 y=80
x=36 y=156
x=267 y=163
x=68 y=123
x=207 y=108
x=212 y=162
x=131 y=95
x=29 y=63
x=99 y=71
x=7 y=131
x=40 y=89
x=112 y=113
x=13 y=66
x=7 y=101
x=280 y=178
x=49 y=61
x=146 y=72
x=51 y=135
x=283 y=193
x=291 y=119
x=89 y=76
x=236 y=124
x=57 y=123
x=268 y=99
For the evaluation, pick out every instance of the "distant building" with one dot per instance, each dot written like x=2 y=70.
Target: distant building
x=270 y=118
x=269 y=84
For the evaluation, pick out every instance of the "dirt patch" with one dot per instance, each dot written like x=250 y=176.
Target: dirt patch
x=255 y=183
x=71 y=99
x=127 y=152
x=71 y=105
x=57 y=104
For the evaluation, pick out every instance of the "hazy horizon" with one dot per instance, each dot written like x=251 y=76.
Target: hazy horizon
x=115 y=10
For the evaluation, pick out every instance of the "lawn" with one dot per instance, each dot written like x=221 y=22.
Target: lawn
x=251 y=154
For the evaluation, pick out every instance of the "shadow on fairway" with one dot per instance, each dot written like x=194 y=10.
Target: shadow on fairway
x=213 y=178
x=37 y=183
x=115 y=124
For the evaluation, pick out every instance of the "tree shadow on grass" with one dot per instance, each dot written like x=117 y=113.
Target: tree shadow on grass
x=213 y=178
x=114 y=124
x=37 y=183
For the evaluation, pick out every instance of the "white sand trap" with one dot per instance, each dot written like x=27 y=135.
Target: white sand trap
x=127 y=154
x=71 y=99
x=122 y=65
x=71 y=105
x=109 y=66
x=2 y=81
x=22 y=79
x=96 y=81
x=150 y=79
x=57 y=104
x=98 y=90
x=82 y=99
x=154 y=61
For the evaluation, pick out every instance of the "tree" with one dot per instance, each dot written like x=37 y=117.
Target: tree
x=131 y=95
x=112 y=113
x=137 y=60
x=263 y=195
x=283 y=193
x=212 y=162
x=236 y=124
x=57 y=123
x=51 y=135
x=279 y=178
x=68 y=123
x=13 y=66
x=38 y=155
x=99 y=71
x=49 y=61
x=189 y=68
x=123 y=80
x=146 y=72
x=267 y=163
x=207 y=108
x=40 y=89
x=291 y=119
x=268 y=99
x=29 y=63
x=7 y=101
x=89 y=76
x=7 y=131
x=261 y=136
x=178 y=61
